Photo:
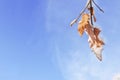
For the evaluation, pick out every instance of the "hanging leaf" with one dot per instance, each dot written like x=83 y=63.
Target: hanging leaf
x=96 y=46
x=86 y=25
x=97 y=51
x=83 y=23
x=98 y=40
x=91 y=36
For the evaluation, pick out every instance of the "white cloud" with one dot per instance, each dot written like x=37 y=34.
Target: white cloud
x=75 y=66
x=116 y=76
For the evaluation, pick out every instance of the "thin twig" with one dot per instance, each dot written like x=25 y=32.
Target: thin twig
x=91 y=8
x=83 y=9
x=98 y=6
x=75 y=20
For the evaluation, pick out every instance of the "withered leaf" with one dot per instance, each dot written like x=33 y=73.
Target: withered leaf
x=83 y=23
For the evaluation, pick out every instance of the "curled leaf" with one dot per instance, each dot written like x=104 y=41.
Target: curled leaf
x=83 y=23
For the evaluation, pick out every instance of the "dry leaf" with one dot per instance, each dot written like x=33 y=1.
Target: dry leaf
x=95 y=43
x=97 y=51
x=98 y=40
x=83 y=23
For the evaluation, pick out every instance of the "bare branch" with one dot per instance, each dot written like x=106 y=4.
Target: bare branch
x=75 y=20
x=98 y=6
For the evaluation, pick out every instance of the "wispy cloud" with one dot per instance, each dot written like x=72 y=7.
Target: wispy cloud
x=70 y=66
x=73 y=63
x=73 y=66
x=116 y=76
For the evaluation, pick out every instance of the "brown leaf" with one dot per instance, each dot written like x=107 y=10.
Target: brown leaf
x=83 y=23
x=96 y=31
x=99 y=42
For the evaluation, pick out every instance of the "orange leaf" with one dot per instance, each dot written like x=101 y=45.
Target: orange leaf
x=83 y=23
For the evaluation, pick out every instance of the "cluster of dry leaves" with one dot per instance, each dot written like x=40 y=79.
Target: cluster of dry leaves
x=86 y=25
x=96 y=44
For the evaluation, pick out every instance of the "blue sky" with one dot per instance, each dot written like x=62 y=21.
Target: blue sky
x=37 y=43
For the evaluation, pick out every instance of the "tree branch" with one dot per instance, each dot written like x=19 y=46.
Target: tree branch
x=75 y=20
x=97 y=6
